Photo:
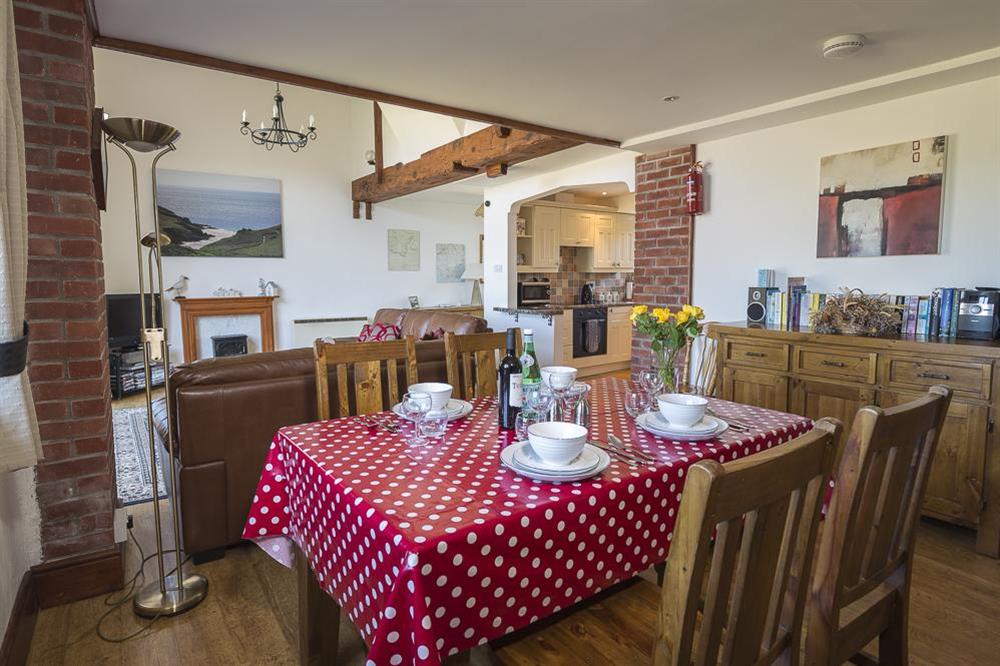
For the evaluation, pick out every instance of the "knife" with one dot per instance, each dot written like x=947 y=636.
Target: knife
x=624 y=457
x=617 y=442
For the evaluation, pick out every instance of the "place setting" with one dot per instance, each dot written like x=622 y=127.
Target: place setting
x=680 y=417
x=553 y=442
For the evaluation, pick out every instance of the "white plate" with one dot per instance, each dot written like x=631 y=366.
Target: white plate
x=706 y=424
x=526 y=458
x=507 y=458
x=644 y=422
x=457 y=409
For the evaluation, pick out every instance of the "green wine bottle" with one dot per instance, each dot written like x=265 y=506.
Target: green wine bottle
x=532 y=375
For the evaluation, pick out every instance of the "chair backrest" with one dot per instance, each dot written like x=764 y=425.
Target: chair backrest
x=763 y=511
x=698 y=375
x=871 y=524
x=366 y=359
x=473 y=359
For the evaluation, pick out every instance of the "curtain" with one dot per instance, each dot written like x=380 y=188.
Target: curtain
x=19 y=442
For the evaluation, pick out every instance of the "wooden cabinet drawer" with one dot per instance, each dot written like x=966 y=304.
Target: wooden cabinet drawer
x=836 y=363
x=967 y=378
x=744 y=351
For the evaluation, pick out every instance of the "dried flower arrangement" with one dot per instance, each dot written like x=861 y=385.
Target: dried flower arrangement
x=857 y=313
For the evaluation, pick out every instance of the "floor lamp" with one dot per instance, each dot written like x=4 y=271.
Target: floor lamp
x=175 y=592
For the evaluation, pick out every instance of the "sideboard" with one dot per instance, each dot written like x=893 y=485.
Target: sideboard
x=818 y=375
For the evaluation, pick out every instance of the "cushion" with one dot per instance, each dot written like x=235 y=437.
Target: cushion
x=378 y=332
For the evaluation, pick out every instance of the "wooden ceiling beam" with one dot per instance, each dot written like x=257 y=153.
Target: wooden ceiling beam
x=488 y=149
x=279 y=76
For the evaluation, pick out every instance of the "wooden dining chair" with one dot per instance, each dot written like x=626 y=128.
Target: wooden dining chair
x=472 y=361
x=763 y=512
x=699 y=371
x=364 y=360
x=861 y=587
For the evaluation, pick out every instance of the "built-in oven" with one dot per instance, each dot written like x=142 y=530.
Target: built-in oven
x=534 y=292
x=590 y=332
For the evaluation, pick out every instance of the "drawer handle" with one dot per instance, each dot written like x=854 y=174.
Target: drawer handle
x=934 y=375
x=755 y=354
x=835 y=364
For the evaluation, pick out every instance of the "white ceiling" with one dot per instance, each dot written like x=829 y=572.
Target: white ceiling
x=598 y=67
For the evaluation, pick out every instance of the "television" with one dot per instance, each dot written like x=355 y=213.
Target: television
x=124 y=320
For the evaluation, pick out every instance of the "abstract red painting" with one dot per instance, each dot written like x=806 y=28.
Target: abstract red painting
x=882 y=201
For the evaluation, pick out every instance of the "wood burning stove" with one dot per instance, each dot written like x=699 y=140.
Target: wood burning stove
x=229 y=345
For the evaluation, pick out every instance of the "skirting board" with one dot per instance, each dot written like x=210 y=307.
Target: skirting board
x=21 y=625
x=81 y=577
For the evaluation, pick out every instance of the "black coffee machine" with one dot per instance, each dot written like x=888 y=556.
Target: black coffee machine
x=979 y=313
x=587 y=293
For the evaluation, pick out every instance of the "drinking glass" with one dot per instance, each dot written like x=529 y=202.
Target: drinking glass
x=571 y=398
x=539 y=399
x=434 y=424
x=415 y=406
x=636 y=402
x=651 y=380
x=524 y=419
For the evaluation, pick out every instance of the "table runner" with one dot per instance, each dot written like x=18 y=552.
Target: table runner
x=435 y=556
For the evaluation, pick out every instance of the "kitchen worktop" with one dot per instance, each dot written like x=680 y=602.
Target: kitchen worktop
x=553 y=310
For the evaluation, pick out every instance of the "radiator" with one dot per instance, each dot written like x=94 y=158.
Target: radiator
x=305 y=331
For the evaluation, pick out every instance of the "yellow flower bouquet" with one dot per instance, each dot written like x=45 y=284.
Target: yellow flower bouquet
x=668 y=332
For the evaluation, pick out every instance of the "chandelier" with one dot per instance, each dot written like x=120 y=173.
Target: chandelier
x=278 y=132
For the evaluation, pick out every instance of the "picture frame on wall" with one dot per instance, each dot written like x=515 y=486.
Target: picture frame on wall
x=882 y=201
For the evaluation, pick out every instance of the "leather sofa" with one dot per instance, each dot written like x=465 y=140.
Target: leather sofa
x=226 y=411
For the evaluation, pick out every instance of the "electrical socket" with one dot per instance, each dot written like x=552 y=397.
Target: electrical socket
x=122 y=522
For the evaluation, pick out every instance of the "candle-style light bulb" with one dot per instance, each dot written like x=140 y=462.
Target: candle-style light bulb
x=274 y=111
x=244 y=118
x=262 y=124
x=312 y=120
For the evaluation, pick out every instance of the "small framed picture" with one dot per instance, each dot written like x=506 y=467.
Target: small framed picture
x=414 y=302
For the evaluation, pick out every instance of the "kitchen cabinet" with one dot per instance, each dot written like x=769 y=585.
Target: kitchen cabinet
x=818 y=375
x=614 y=244
x=545 y=230
x=577 y=228
x=619 y=334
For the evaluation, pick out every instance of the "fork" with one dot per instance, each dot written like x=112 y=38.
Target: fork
x=617 y=443
x=736 y=425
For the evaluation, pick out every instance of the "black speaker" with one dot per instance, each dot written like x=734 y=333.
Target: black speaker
x=757 y=304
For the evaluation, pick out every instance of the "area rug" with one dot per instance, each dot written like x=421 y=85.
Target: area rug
x=135 y=482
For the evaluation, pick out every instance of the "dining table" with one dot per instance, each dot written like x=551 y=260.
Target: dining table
x=435 y=550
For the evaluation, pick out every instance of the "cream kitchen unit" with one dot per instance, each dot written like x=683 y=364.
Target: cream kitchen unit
x=619 y=343
x=606 y=237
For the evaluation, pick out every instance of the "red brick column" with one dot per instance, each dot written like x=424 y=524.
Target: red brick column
x=68 y=353
x=663 y=236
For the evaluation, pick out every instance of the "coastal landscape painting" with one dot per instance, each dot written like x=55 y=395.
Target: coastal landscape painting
x=882 y=201
x=215 y=215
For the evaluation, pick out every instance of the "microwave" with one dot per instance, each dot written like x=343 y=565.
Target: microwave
x=533 y=292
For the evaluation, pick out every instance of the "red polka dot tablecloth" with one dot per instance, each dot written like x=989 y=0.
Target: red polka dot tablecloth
x=439 y=552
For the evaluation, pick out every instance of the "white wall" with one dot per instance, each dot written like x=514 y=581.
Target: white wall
x=334 y=265
x=762 y=200
x=499 y=244
x=20 y=543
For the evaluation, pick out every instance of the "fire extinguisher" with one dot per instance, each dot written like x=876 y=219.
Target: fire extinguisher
x=695 y=192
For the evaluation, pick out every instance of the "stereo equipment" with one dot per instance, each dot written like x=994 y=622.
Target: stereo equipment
x=757 y=304
x=979 y=314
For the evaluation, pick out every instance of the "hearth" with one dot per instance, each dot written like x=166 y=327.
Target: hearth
x=229 y=345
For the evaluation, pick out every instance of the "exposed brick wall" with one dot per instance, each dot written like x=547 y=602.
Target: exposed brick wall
x=663 y=236
x=68 y=352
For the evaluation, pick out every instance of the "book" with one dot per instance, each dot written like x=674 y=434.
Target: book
x=923 y=315
x=912 y=304
x=955 y=297
x=783 y=320
x=935 y=317
x=944 y=322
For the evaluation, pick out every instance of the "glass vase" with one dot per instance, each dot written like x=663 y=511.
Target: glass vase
x=665 y=362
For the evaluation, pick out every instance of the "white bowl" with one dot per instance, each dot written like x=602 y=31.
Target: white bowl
x=558 y=377
x=555 y=442
x=439 y=391
x=682 y=409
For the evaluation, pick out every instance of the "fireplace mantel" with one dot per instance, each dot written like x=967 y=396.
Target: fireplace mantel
x=194 y=308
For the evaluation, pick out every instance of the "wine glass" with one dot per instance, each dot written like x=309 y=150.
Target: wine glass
x=571 y=398
x=636 y=402
x=524 y=419
x=538 y=400
x=415 y=406
x=651 y=380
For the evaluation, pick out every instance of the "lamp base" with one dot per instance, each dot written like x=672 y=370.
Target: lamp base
x=477 y=294
x=150 y=602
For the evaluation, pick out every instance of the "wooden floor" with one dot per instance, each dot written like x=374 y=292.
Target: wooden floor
x=250 y=616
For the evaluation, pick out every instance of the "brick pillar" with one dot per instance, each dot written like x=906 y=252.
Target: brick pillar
x=663 y=236
x=68 y=352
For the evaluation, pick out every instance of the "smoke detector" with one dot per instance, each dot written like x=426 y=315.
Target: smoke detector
x=843 y=46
